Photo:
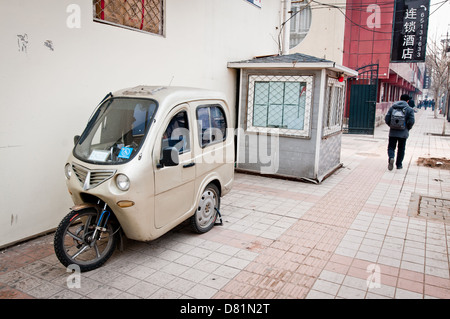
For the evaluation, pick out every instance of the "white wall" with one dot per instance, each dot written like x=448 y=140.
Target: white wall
x=325 y=38
x=47 y=96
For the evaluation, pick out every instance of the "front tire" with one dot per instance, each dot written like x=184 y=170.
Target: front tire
x=206 y=214
x=74 y=244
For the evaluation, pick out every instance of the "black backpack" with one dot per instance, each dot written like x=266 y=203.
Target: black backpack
x=398 y=119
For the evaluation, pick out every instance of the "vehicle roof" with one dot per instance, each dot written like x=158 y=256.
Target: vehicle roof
x=168 y=96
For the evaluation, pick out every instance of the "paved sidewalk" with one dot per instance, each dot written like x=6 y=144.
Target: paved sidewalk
x=356 y=235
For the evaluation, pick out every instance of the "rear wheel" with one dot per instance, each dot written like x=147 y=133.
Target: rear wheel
x=75 y=244
x=206 y=213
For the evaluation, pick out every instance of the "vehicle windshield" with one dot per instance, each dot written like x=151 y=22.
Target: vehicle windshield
x=116 y=131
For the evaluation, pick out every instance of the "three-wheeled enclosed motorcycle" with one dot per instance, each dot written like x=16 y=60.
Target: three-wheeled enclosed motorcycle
x=148 y=159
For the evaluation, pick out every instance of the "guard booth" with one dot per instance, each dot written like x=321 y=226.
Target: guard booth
x=289 y=116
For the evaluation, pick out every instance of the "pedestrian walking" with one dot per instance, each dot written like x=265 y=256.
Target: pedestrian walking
x=400 y=119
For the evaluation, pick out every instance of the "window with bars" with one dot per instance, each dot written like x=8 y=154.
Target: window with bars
x=334 y=107
x=280 y=104
x=144 y=15
x=299 y=23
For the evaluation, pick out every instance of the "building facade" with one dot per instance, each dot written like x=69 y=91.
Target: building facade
x=60 y=58
x=368 y=41
x=356 y=34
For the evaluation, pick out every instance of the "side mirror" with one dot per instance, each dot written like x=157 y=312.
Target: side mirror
x=76 y=138
x=169 y=157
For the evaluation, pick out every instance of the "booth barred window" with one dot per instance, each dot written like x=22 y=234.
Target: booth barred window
x=144 y=15
x=280 y=104
x=334 y=107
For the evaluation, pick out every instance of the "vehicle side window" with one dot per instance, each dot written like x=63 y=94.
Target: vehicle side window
x=177 y=133
x=212 y=124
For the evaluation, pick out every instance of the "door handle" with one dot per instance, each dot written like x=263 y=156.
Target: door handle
x=189 y=165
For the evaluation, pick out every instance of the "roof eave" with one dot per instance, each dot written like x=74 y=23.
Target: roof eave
x=300 y=65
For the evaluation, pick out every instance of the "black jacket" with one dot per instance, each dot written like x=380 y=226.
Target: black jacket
x=409 y=118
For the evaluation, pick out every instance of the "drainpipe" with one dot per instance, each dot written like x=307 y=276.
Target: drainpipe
x=286 y=26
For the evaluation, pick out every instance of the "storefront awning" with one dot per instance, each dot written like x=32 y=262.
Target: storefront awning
x=397 y=80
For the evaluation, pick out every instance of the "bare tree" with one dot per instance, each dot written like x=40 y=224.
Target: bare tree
x=438 y=62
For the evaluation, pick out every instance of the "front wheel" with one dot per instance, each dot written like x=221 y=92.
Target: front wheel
x=206 y=213
x=76 y=244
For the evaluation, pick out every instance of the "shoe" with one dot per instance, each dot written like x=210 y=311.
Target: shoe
x=399 y=166
x=391 y=164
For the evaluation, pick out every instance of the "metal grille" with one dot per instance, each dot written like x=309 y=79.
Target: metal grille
x=362 y=100
x=334 y=106
x=91 y=178
x=145 y=15
x=279 y=104
x=300 y=23
x=430 y=208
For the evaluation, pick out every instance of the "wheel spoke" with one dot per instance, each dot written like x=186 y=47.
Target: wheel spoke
x=80 y=251
x=96 y=250
x=87 y=224
x=74 y=236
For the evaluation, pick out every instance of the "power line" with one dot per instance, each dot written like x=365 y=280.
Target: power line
x=442 y=3
x=351 y=7
x=358 y=25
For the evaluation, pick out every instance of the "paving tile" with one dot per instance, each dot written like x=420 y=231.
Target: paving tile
x=164 y=293
x=86 y=286
x=411 y=275
x=280 y=239
x=105 y=292
x=201 y=291
x=326 y=287
x=141 y=272
x=413 y=258
x=174 y=269
x=67 y=294
x=123 y=282
x=438 y=272
x=226 y=271
x=410 y=285
x=180 y=285
x=214 y=281
x=438 y=292
x=44 y=291
x=371 y=295
x=143 y=289
x=194 y=275
x=355 y=282
x=347 y=292
x=407 y=294
x=314 y=294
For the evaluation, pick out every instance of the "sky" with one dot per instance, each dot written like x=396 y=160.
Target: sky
x=439 y=20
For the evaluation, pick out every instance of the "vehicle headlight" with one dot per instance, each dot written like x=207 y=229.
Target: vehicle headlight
x=67 y=171
x=122 y=182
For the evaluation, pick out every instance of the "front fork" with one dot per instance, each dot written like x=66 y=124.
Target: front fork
x=101 y=224
x=103 y=217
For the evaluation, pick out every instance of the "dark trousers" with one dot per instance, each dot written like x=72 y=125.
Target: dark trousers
x=393 y=141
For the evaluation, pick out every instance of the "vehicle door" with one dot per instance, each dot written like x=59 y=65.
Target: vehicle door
x=211 y=130
x=174 y=185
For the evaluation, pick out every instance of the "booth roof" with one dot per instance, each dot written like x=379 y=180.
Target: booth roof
x=291 y=61
x=289 y=58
